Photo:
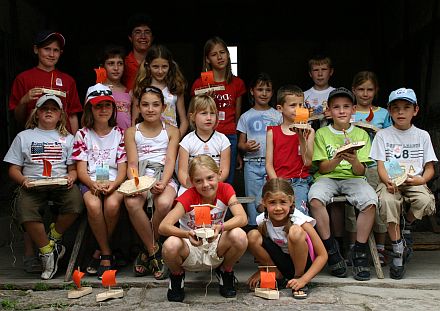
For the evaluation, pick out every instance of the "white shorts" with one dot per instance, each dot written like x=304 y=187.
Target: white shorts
x=203 y=257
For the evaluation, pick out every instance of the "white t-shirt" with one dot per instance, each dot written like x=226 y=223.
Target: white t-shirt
x=317 y=99
x=169 y=115
x=31 y=146
x=213 y=147
x=277 y=234
x=100 y=151
x=254 y=124
x=412 y=148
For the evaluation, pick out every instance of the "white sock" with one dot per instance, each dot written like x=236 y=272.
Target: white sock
x=398 y=248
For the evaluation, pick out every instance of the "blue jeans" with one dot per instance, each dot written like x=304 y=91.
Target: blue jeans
x=254 y=179
x=234 y=141
x=301 y=189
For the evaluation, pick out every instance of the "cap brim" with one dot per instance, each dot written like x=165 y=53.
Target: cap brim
x=410 y=100
x=96 y=100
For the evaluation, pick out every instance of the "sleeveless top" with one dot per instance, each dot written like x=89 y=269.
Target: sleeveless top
x=153 y=149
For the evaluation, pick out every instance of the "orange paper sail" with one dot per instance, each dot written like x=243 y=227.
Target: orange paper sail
x=76 y=277
x=202 y=215
x=267 y=279
x=135 y=174
x=47 y=168
x=370 y=115
x=207 y=77
x=101 y=75
x=109 y=278
x=301 y=115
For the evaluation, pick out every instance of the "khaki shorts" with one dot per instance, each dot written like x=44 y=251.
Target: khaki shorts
x=422 y=202
x=202 y=258
x=30 y=203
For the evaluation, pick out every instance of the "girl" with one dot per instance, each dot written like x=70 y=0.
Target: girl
x=152 y=149
x=203 y=140
x=160 y=70
x=101 y=162
x=113 y=62
x=288 y=242
x=365 y=87
x=46 y=140
x=252 y=139
x=216 y=58
x=184 y=251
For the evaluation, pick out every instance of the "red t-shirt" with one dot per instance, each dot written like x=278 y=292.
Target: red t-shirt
x=54 y=79
x=225 y=101
x=192 y=197
x=131 y=67
x=287 y=160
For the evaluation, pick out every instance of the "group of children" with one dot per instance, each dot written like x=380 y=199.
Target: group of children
x=292 y=172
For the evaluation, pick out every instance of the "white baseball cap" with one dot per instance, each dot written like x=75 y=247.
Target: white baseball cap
x=43 y=99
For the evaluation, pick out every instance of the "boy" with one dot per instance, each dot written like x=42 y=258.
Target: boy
x=411 y=147
x=289 y=154
x=27 y=86
x=343 y=174
x=320 y=70
x=141 y=38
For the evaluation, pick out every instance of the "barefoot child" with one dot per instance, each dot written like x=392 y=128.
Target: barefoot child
x=100 y=154
x=46 y=139
x=286 y=241
x=183 y=251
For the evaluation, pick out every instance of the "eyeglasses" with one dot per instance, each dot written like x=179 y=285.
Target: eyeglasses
x=138 y=33
x=101 y=92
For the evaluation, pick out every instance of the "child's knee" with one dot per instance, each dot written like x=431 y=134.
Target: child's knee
x=238 y=238
x=254 y=237
x=296 y=234
x=171 y=246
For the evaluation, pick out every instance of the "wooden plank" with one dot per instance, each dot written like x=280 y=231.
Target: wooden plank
x=76 y=247
x=375 y=256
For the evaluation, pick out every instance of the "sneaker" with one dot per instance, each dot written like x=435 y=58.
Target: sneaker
x=32 y=264
x=51 y=237
x=176 y=288
x=397 y=272
x=226 y=282
x=50 y=261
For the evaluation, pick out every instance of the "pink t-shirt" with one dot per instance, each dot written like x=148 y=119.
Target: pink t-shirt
x=123 y=107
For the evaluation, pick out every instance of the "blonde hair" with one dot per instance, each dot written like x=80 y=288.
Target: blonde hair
x=202 y=160
x=209 y=45
x=286 y=90
x=271 y=187
x=320 y=60
x=200 y=103
x=32 y=122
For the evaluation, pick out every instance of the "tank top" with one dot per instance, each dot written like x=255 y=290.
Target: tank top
x=153 y=149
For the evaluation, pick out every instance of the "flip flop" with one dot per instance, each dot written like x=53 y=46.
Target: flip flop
x=301 y=293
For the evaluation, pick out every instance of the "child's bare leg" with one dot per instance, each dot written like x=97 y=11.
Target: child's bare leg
x=231 y=247
x=36 y=232
x=174 y=252
x=365 y=223
x=255 y=242
x=162 y=205
x=95 y=217
x=319 y=212
x=112 y=208
x=140 y=220
x=28 y=245
x=298 y=249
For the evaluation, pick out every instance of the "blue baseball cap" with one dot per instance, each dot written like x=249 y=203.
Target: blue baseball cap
x=404 y=94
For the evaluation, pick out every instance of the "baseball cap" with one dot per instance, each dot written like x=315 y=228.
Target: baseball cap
x=405 y=94
x=341 y=92
x=98 y=93
x=43 y=99
x=45 y=35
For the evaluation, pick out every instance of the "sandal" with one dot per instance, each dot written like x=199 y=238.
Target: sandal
x=301 y=293
x=141 y=262
x=157 y=265
x=92 y=266
x=339 y=268
x=101 y=268
x=361 y=267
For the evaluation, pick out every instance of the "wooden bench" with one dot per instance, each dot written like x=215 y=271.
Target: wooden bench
x=371 y=242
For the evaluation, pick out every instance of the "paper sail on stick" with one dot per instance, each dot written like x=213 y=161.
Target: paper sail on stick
x=47 y=168
x=135 y=174
x=267 y=279
x=268 y=286
x=108 y=280
x=301 y=115
x=79 y=291
x=202 y=215
x=207 y=77
x=101 y=75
